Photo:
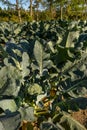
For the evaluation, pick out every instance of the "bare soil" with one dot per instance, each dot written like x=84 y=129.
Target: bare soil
x=80 y=116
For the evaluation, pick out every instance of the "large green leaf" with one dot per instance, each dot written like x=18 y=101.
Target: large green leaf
x=62 y=55
x=8 y=105
x=41 y=57
x=34 y=89
x=7 y=121
x=10 y=81
x=25 y=65
x=72 y=38
x=50 y=46
x=27 y=113
x=38 y=53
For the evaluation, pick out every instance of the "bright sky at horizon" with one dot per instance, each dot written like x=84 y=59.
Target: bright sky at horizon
x=25 y=6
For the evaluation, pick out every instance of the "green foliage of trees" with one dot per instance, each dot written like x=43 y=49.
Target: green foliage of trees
x=44 y=10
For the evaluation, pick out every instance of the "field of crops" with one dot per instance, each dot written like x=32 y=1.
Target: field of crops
x=43 y=73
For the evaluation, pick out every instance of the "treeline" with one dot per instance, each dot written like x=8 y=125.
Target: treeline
x=43 y=10
x=12 y=15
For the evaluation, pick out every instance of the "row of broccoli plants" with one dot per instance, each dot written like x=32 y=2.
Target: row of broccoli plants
x=40 y=56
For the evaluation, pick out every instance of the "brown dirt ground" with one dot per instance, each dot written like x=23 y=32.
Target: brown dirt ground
x=80 y=116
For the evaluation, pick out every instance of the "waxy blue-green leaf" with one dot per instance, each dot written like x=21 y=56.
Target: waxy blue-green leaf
x=25 y=65
x=8 y=105
x=34 y=89
x=38 y=53
x=41 y=57
x=10 y=81
x=50 y=45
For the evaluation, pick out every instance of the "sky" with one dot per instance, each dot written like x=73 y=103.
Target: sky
x=25 y=5
x=13 y=1
x=1 y=5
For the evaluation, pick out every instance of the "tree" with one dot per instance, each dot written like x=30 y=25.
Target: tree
x=18 y=10
x=61 y=4
x=85 y=4
x=31 y=9
x=78 y=8
x=37 y=8
x=51 y=7
x=16 y=5
x=55 y=5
